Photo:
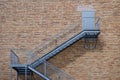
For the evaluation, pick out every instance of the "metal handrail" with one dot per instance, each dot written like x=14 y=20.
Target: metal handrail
x=50 y=69
x=97 y=23
x=56 y=37
x=40 y=48
x=13 y=57
x=58 y=70
x=98 y=20
x=33 y=54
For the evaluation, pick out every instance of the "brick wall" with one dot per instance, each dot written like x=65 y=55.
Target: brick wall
x=26 y=23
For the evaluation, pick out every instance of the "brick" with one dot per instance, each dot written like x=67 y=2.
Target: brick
x=27 y=23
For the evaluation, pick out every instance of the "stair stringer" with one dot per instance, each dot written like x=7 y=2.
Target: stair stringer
x=63 y=46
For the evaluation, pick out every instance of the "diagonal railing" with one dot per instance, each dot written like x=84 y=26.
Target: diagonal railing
x=53 y=72
x=55 y=41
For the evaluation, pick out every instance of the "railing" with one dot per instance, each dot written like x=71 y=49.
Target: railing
x=91 y=23
x=97 y=23
x=45 y=68
x=55 y=41
x=28 y=57
x=22 y=56
x=53 y=72
x=18 y=56
x=13 y=58
x=58 y=39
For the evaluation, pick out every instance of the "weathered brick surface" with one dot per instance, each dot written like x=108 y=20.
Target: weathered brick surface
x=26 y=23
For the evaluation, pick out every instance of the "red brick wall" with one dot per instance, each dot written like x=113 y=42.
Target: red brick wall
x=26 y=23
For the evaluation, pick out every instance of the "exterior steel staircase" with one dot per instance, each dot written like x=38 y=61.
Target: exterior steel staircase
x=63 y=46
x=38 y=65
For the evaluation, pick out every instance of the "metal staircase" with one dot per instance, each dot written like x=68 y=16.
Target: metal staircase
x=36 y=62
x=63 y=46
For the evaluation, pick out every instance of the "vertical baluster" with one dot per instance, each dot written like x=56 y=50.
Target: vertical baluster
x=26 y=72
x=60 y=76
x=17 y=76
x=45 y=66
x=10 y=73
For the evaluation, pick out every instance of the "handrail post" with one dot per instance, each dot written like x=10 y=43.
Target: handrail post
x=10 y=73
x=45 y=68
